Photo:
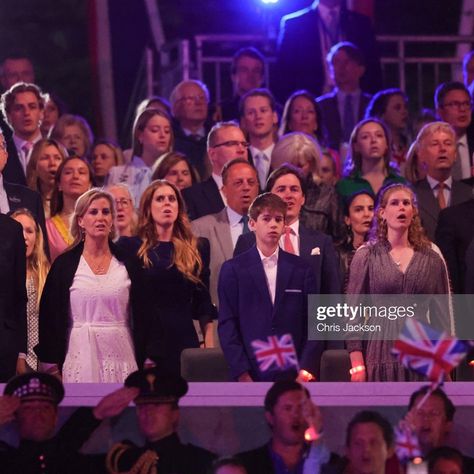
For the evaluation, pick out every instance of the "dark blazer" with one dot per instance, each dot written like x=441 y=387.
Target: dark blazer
x=246 y=311
x=13 y=171
x=332 y=119
x=300 y=64
x=454 y=233
x=195 y=150
x=12 y=296
x=20 y=196
x=428 y=205
x=203 y=199
x=55 y=300
x=324 y=265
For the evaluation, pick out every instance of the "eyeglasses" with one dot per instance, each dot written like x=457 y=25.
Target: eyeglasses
x=192 y=98
x=457 y=104
x=123 y=202
x=232 y=143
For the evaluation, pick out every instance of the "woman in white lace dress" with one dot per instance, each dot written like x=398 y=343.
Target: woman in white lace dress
x=85 y=328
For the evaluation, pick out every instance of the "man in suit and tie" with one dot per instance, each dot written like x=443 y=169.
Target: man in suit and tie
x=22 y=107
x=453 y=105
x=225 y=142
x=436 y=148
x=16 y=196
x=306 y=36
x=240 y=188
x=264 y=292
x=259 y=118
x=314 y=247
x=12 y=296
x=345 y=105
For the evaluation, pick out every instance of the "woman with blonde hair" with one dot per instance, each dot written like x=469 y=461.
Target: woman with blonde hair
x=398 y=259
x=46 y=157
x=91 y=322
x=175 y=267
x=152 y=137
x=37 y=267
x=75 y=133
x=321 y=208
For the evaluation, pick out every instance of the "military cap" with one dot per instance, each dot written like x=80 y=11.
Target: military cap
x=157 y=386
x=36 y=386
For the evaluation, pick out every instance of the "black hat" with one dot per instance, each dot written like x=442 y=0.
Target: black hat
x=157 y=386
x=36 y=386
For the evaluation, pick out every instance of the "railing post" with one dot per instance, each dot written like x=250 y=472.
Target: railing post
x=401 y=62
x=149 y=73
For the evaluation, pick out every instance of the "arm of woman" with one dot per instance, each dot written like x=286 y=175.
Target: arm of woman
x=358 y=284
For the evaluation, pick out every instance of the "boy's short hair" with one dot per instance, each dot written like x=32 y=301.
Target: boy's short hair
x=376 y=418
x=278 y=389
x=266 y=201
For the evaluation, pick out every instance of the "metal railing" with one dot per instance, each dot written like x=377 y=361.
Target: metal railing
x=407 y=62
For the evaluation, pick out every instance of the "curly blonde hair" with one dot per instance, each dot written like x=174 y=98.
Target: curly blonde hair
x=416 y=233
x=186 y=255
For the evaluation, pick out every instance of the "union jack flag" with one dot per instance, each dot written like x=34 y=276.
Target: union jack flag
x=407 y=446
x=427 y=351
x=279 y=351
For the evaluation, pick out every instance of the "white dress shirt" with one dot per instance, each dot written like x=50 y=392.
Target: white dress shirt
x=294 y=237
x=19 y=144
x=4 y=206
x=270 y=267
x=218 y=180
x=447 y=188
x=463 y=157
x=236 y=226
x=261 y=160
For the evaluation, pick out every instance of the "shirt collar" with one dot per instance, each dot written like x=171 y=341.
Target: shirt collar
x=1 y=183
x=19 y=142
x=267 y=152
x=434 y=183
x=342 y=95
x=234 y=217
x=271 y=258
x=295 y=227
x=218 y=180
x=201 y=132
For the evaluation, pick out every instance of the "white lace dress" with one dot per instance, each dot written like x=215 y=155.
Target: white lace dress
x=100 y=347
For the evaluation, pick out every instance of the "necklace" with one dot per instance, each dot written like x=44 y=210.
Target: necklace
x=99 y=268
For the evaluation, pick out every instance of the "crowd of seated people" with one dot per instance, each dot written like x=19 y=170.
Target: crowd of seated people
x=365 y=197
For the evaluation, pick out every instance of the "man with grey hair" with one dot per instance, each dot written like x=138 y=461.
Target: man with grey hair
x=190 y=107
x=225 y=142
x=436 y=149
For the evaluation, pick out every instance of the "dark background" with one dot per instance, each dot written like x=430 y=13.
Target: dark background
x=56 y=34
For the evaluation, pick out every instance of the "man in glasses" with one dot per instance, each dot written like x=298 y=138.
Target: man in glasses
x=225 y=142
x=190 y=107
x=453 y=105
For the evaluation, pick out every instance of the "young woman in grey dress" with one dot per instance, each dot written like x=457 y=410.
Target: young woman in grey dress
x=397 y=259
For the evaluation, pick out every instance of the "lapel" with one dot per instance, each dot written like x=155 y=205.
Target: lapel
x=14 y=199
x=284 y=271
x=257 y=274
x=306 y=244
x=222 y=235
x=211 y=192
x=427 y=200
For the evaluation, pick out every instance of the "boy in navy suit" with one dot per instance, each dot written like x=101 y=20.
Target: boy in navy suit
x=264 y=292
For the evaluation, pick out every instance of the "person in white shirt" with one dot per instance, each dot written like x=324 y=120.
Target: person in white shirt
x=259 y=119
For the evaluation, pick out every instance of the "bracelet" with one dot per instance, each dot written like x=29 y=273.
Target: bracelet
x=355 y=370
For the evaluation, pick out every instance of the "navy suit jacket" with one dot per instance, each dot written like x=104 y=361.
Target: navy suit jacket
x=246 y=311
x=13 y=171
x=203 y=199
x=332 y=119
x=324 y=265
x=300 y=63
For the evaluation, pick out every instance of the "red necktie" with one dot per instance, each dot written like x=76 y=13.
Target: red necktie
x=287 y=243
